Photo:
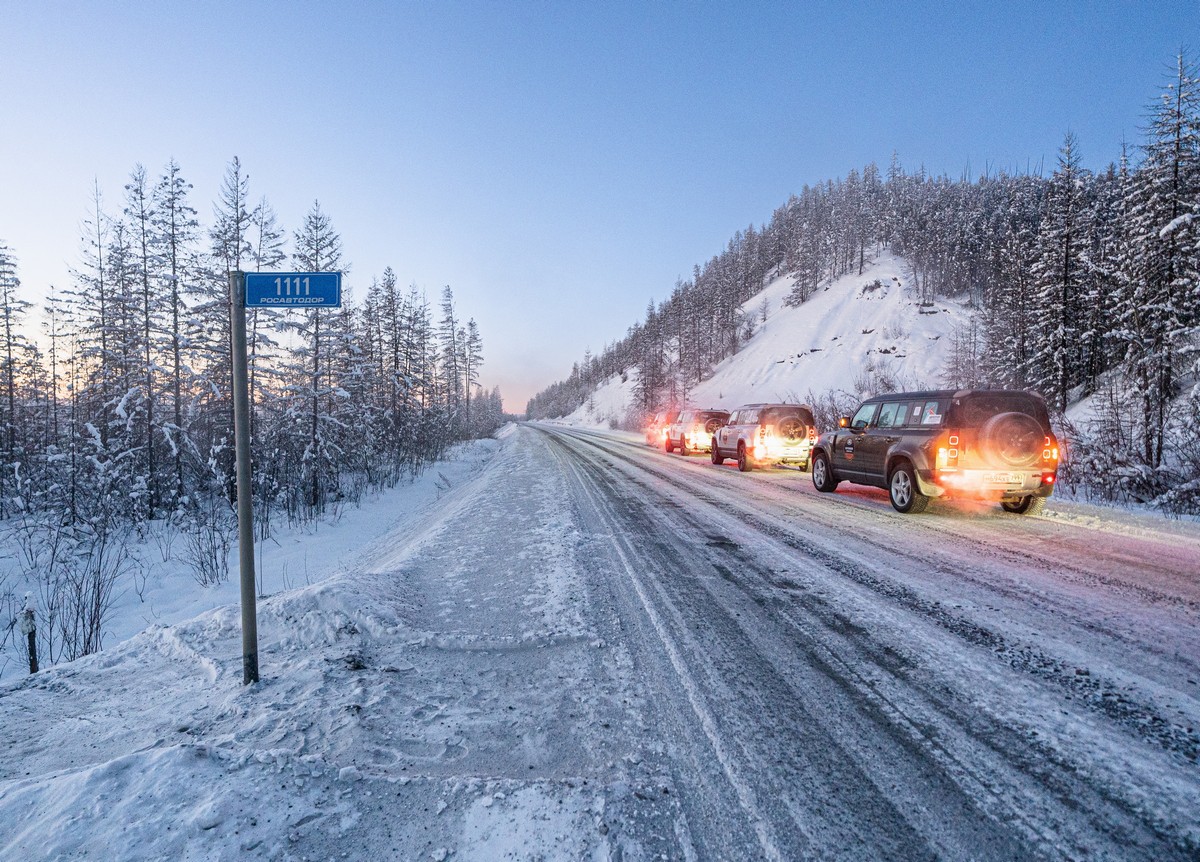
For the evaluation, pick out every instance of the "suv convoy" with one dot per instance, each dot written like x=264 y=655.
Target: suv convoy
x=758 y=434
x=693 y=430
x=656 y=429
x=983 y=444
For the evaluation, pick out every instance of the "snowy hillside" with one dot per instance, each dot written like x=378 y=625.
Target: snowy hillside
x=848 y=336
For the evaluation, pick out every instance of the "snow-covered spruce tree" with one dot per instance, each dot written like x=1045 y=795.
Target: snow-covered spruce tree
x=1060 y=280
x=1159 y=313
x=209 y=337
x=423 y=372
x=450 y=356
x=138 y=213
x=15 y=376
x=317 y=248
x=1009 y=296
x=472 y=363
x=124 y=438
x=176 y=266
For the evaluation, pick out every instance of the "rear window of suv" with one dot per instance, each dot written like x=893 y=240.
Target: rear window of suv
x=778 y=414
x=977 y=408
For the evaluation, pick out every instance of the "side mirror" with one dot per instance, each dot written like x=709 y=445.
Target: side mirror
x=844 y=422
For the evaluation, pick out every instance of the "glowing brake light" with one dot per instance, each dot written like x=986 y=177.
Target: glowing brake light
x=1050 y=453
x=947 y=455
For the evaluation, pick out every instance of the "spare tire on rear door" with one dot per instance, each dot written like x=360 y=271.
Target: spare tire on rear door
x=1014 y=439
x=792 y=428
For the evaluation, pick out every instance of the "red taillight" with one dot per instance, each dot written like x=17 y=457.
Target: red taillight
x=1047 y=478
x=947 y=453
x=1050 y=453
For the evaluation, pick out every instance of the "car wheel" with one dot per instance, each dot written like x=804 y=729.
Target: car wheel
x=822 y=474
x=1030 y=505
x=683 y=447
x=715 y=453
x=667 y=445
x=903 y=491
x=744 y=462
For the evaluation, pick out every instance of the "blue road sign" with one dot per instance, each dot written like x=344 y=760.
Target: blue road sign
x=293 y=289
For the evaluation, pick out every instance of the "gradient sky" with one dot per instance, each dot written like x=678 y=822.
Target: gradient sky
x=558 y=164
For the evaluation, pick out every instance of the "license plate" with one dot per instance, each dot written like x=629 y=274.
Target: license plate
x=1003 y=478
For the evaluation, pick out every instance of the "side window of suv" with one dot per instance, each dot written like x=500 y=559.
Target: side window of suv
x=891 y=415
x=747 y=417
x=863 y=417
x=931 y=413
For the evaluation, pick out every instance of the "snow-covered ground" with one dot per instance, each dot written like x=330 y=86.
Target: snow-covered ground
x=160 y=587
x=847 y=336
x=578 y=647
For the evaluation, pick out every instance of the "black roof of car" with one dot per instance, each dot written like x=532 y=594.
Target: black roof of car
x=946 y=393
x=773 y=404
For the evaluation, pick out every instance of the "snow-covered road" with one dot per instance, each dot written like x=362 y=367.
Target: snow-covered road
x=842 y=681
x=593 y=650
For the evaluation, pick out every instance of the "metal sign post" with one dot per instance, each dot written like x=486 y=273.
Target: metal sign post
x=241 y=438
x=261 y=290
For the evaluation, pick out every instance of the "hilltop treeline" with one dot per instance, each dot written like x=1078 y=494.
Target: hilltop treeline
x=1083 y=283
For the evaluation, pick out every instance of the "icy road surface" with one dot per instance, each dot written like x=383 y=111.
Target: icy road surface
x=593 y=650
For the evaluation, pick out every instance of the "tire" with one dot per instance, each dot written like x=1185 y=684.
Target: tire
x=1013 y=439
x=904 y=492
x=792 y=429
x=822 y=474
x=715 y=453
x=744 y=462
x=1030 y=505
x=683 y=447
x=668 y=445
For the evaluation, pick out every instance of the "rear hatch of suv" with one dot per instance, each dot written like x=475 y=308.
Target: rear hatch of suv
x=998 y=442
x=785 y=434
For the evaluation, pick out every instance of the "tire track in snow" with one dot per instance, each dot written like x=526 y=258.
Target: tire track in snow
x=1025 y=754
x=810 y=772
x=1100 y=695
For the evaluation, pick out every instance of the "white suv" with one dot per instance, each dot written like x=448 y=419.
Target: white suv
x=761 y=434
x=693 y=430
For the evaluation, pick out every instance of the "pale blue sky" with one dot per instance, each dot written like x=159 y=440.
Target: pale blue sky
x=558 y=164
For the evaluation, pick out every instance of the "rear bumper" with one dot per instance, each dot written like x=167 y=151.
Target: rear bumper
x=774 y=453
x=1005 y=485
x=699 y=444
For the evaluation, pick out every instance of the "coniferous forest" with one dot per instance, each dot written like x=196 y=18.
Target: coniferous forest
x=1083 y=285
x=117 y=417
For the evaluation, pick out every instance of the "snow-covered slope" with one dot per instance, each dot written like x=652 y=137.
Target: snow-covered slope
x=851 y=334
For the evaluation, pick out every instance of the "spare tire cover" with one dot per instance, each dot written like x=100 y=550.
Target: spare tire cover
x=791 y=428
x=1012 y=438
x=712 y=425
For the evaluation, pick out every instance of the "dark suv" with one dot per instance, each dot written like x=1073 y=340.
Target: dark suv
x=766 y=434
x=981 y=443
x=693 y=430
